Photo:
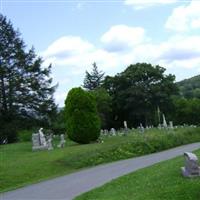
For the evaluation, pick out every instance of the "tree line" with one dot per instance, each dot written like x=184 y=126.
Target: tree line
x=141 y=94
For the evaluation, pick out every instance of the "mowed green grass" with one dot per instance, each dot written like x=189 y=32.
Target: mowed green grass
x=19 y=166
x=162 y=181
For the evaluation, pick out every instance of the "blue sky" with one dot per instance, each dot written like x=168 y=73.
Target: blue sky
x=73 y=34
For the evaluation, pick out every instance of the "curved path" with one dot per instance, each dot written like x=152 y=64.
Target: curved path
x=69 y=186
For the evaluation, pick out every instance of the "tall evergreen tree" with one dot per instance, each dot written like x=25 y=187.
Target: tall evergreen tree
x=25 y=86
x=94 y=79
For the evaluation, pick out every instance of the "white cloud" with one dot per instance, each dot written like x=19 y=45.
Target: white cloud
x=60 y=97
x=184 y=18
x=71 y=56
x=68 y=46
x=141 y=4
x=181 y=48
x=122 y=38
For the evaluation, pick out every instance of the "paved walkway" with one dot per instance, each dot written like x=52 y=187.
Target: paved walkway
x=69 y=186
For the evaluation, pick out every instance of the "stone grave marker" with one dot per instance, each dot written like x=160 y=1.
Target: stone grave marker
x=191 y=168
x=39 y=141
x=141 y=128
x=62 y=141
x=113 y=131
x=171 y=125
x=164 y=122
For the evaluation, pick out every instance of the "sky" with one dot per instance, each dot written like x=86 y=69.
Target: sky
x=71 y=35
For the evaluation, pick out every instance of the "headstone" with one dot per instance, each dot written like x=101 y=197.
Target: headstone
x=5 y=141
x=125 y=128
x=62 y=141
x=39 y=141
x=49 y=142
x=42 y=137
x=125 y=125
x=171 y=125
x=191 y=168
x=113 y=131
x=141 y=128
x=35 y=141
x=105 y=132
x=164 y=122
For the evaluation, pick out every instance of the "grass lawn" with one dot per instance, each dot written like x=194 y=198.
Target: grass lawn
x=20 y=166
x=162 y=181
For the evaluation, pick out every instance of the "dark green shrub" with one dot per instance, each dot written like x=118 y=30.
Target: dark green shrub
x=8 y=132
x=82 y=121
x=24 y=135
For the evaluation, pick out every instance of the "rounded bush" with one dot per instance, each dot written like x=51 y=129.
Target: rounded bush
x=82 y=121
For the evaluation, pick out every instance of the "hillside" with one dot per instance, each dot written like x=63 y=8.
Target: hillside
x=190 y=88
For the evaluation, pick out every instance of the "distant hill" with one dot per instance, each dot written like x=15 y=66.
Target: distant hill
x=190 y=88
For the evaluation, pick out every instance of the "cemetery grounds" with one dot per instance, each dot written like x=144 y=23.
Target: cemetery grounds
x=20 y=166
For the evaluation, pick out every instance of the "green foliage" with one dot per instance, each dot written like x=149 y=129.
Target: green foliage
x=26 y=93
x=83 y=124
x=162 y=181
x=135 y=145
x=190 y=88
x=8 y=132
x=104 y=106
x=94 y=79
x=25 y=135
x=186 y=111
x=58 y=125
x=138 y=92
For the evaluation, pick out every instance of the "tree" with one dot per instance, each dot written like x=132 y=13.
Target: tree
x=138 y=92
x=82 y=120
x=104 y=106
x=58 y=125
x=25 y=87
x=94 y=79
x=190 y=88
x=186 y=111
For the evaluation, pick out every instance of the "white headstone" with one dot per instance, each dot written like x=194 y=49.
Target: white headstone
x=42 y=138
x=39 y=141
x=125 y=125
x=141 y=128
x=164 y=122
x=113 y=131
x=49 y=142
x=62 y=141
x=191 y=168
x=171 y=125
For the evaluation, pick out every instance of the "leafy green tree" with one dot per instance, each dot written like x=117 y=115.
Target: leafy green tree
x=82 y=120
x=58 y=125
x=138 y=92
x=25 y=87
x=94 y=79
x=190 y=88
x=186 y=111
x=104 y=106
